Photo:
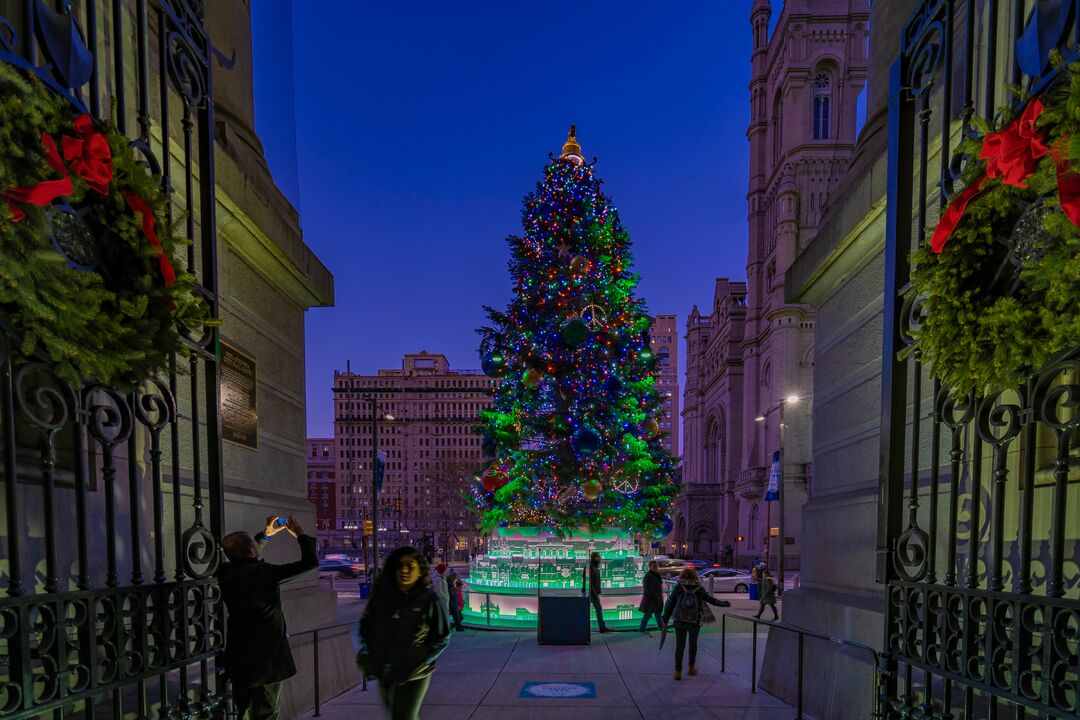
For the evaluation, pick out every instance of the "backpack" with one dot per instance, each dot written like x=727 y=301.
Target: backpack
x=687 y=608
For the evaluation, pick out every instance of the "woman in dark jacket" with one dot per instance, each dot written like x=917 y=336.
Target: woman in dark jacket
x=686 y=604
x=652 y=600
x=403 y=629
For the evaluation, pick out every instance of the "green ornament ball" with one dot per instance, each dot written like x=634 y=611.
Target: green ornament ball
x=574 y=331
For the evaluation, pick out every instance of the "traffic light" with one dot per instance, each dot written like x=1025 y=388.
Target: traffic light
x=368 y=529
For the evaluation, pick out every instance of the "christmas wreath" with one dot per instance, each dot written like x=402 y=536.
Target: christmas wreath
x=1000 y=279
x=89 y=274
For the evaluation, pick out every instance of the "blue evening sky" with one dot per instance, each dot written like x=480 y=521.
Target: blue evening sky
x=419 y=127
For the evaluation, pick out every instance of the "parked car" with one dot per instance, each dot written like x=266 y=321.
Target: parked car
x=341 y=566
x=670 y=568
x=726 y=579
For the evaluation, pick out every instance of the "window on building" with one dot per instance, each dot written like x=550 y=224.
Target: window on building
x=822 y=97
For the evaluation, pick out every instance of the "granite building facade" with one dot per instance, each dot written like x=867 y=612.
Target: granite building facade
x=753 y=353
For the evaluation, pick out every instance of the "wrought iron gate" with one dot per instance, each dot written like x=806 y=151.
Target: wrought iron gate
x=113 y=500
x=978 y=542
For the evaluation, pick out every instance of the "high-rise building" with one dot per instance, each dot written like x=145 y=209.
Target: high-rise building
x=425 y=421
x=665 y=345
x=322 y=492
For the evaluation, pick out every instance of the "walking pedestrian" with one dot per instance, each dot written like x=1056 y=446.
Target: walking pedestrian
x=403 y=630
x=453 y=583
x=686 y=606
x=438 y=583
x=767 y=594
x=595 y=590
x=257 y=654
x=652 y=599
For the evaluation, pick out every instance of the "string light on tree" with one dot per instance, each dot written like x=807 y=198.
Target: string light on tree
x=574 y=427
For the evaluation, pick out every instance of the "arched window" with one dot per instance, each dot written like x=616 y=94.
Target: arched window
x=822 y=97
x=752 y=533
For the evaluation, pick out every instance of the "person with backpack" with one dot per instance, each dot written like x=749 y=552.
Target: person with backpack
x=767 y=595
x=686 y=606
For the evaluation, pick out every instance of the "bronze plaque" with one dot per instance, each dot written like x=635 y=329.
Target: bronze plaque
x=239 y=399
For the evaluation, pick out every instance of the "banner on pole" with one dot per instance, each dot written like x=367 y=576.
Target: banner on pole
x=773 y=493
x=380 y=469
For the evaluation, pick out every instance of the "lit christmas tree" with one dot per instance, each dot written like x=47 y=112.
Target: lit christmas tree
x=573 y=440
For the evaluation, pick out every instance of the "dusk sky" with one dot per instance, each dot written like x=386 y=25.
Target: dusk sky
x=421 y=126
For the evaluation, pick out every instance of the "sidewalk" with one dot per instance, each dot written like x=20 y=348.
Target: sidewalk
x=482 y=674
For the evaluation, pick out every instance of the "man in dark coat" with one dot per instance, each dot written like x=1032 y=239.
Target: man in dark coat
x=595 y=590
x=257 y=654
x=652 y=600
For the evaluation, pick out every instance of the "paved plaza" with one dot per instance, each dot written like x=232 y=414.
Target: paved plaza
x=483 y=673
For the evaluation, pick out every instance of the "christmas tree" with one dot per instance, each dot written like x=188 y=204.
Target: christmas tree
x=573 y=439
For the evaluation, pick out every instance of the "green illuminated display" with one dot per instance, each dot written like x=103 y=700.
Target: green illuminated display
x=524 y=563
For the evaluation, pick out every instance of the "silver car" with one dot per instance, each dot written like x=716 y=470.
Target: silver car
x=725 y=580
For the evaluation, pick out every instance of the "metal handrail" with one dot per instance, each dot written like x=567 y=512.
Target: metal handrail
x=802 y=633
x=315 y=645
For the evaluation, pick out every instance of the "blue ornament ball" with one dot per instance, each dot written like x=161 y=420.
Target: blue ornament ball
x=613 y=387
x=585 y=441
x=493 y=363
x=487 y=446
x=666 y=529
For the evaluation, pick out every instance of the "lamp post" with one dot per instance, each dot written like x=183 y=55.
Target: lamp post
x=789 y=400
x=375 y=485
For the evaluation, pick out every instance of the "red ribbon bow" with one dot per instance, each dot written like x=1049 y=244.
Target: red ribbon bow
x=1011 y=154
x=89 y=155
x=138 y=205
x=45 y=191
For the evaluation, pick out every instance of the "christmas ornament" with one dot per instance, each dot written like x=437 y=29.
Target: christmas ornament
x=586 y=441
x=591 y=489
x=532 y=377
x=578 y=265
x=665 y=528
x=574 y=331
x=613 y=387
x=594 y=317
x=494 y=478
x=493 y=364
x=651 y=427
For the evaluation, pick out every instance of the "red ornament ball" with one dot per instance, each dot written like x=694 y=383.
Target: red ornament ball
x=494 y=478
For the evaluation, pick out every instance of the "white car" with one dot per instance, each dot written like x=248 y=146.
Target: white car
x=725 y=580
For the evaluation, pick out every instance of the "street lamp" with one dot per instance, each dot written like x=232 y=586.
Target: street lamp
x=375 y=484
x=789 y=400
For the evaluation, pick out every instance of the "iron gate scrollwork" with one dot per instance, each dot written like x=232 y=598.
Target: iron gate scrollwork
x=978 y=546
x=113 y=498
